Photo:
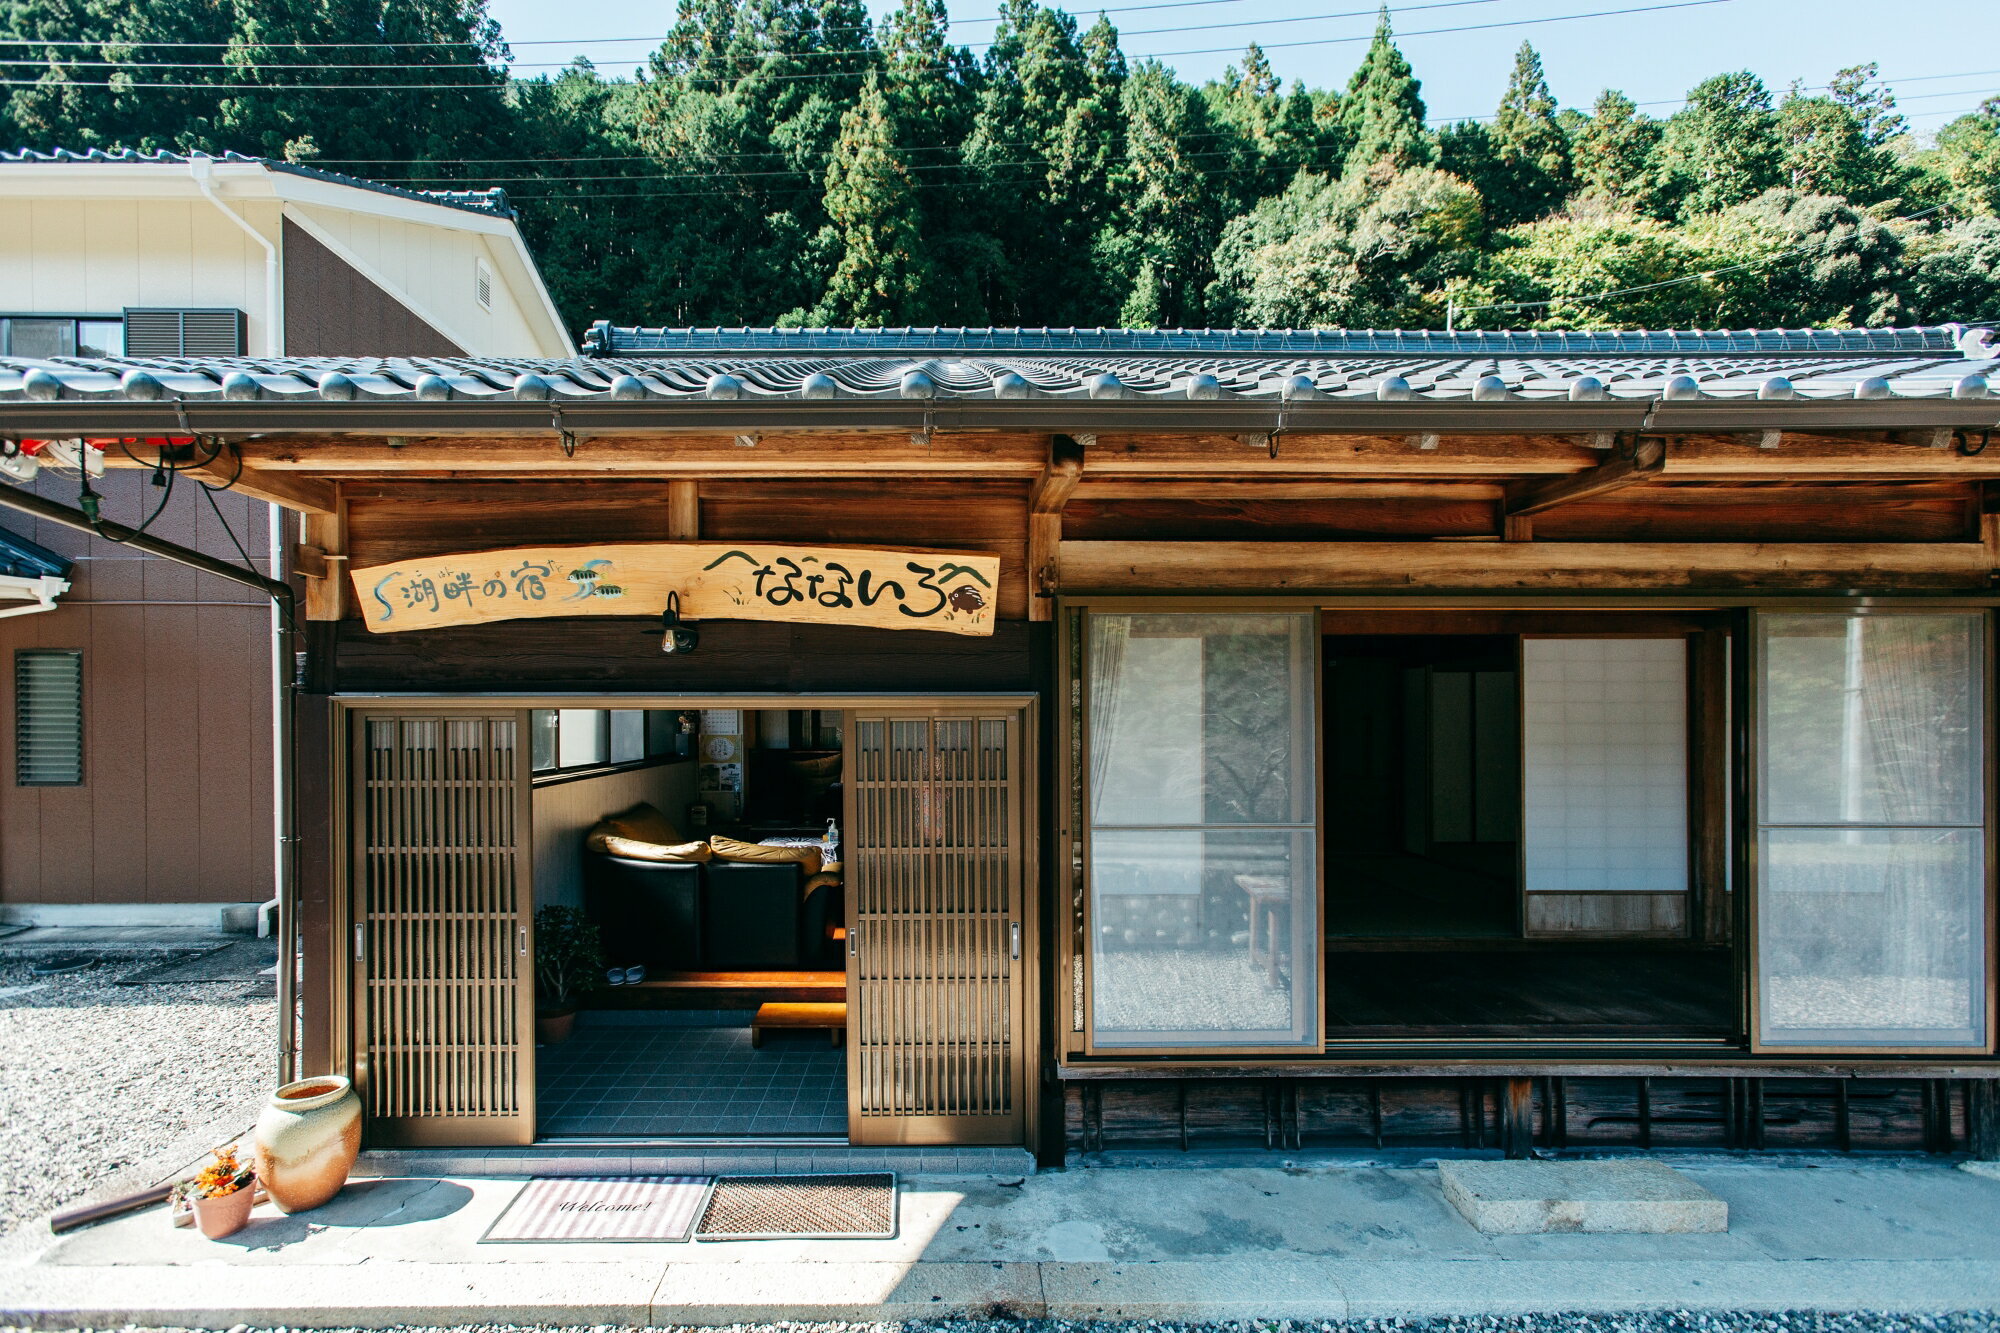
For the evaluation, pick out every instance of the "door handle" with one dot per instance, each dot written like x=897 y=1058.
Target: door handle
x=1014 y=939
x=854 y=941
x=360 y=934
x=524 y=941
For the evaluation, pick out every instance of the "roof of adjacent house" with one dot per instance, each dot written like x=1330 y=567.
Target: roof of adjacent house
x=1083 y=380
x=492 y=202
x=22 y=558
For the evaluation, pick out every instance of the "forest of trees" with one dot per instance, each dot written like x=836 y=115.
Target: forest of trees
x=792 y=162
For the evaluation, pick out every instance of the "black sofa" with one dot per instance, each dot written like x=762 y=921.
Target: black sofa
x=713 y=916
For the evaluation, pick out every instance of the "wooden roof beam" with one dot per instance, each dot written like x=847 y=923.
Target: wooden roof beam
x=1633 y=460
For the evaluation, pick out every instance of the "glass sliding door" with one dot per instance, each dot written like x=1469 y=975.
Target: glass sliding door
x=1871 y=916
x=1200 y=790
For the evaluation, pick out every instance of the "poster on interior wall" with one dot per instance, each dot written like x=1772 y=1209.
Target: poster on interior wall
x=881 y=588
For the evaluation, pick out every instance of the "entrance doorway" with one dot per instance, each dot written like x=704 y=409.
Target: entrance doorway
x=1510 y=823
x=814 y=920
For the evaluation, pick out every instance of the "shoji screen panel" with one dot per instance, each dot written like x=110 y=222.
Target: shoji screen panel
x=1605 y=785
x=442 y=942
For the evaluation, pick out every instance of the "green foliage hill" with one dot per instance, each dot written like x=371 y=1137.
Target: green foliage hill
x=795 y=162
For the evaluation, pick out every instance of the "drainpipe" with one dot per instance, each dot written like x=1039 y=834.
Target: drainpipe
x=201 y=168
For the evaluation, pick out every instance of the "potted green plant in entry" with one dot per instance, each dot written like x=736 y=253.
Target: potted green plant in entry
x=567 y=951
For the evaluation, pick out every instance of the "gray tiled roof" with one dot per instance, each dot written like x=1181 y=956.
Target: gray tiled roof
x=606 y=339
x=1499 y=373
x=493 y=202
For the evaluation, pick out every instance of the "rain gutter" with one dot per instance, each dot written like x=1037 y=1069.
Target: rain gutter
x=602 y=415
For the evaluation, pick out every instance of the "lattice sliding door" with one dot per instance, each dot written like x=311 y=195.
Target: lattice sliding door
x=442 y=942
x=935 y=858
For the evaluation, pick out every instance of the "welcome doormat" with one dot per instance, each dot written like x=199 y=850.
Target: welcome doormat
x=845 y=1207
x=603 y=1208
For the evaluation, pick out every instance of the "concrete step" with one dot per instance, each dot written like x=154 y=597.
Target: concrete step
x=707 y=1159
x=1527 y=1198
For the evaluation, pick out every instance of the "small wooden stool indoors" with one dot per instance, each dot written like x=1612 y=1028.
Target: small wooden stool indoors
x=830 y=1016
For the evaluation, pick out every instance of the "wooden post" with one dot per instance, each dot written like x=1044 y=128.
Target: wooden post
x=1045 y=505
x=1982 y=1119
x=322 y=558
x=683 y=511
x=1517 y=1118
x=1708 y=788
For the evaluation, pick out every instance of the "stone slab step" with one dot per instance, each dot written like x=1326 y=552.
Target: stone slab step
x=1525 y=1198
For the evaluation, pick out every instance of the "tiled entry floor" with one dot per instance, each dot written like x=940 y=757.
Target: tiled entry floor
x=619 y=1077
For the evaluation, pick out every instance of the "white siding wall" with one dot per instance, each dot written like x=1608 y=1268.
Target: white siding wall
x=75 y=256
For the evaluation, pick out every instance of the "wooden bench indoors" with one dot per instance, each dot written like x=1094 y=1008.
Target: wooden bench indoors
x=832 y=1017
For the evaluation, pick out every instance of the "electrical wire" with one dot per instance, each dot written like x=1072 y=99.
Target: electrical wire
x=1662 y=6
x=91 y=503
x=970 y=46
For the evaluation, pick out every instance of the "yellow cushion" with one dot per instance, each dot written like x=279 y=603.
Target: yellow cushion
x=638 y=850
x=729 y=849
x=644 y=823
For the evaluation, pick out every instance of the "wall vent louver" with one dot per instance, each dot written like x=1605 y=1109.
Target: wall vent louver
x=48 y=717
x=482 y=284
x=208 y=332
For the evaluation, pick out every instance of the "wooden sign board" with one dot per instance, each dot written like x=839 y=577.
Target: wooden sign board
x=820 y=585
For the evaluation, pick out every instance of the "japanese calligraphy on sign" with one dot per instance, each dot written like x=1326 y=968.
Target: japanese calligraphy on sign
x=953 y=592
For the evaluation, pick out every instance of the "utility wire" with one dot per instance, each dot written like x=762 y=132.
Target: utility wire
x=501 y=85
x=251 y=64
x=541 y=41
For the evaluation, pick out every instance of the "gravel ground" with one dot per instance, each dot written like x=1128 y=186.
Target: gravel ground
x=97 y=1079
x=1677 y=1321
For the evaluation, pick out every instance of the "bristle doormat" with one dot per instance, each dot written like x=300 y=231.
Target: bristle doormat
x=603 y=1208
x=846 y=1207
x=240 y=960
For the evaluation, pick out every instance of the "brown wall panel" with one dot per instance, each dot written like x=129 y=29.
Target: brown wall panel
x=1277 y=520
x=1926 y=513
x=115 y=764
x=333 y=310
x=175 y=804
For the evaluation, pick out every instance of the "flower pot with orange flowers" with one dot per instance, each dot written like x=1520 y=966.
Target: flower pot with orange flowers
x=223 y=1194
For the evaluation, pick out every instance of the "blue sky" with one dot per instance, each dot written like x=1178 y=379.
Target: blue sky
x=1653 y=56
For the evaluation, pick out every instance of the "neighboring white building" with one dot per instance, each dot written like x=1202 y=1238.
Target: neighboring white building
x=149 y=684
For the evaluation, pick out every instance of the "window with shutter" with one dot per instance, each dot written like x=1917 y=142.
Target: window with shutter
x=216 y=332
x=48 y=717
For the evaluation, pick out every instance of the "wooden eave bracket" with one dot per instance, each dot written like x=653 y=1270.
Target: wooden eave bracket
x=1046 y=499
x=1633 y=460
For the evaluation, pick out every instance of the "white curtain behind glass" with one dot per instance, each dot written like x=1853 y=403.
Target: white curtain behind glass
x=1871 y=845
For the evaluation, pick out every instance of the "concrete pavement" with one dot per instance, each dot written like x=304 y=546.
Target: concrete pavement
x=1214 y=1239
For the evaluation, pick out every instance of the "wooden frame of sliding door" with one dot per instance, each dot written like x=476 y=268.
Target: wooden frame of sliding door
x=345 y=711
x=1029 y=972
x=1750 y=820
x=1073 y=824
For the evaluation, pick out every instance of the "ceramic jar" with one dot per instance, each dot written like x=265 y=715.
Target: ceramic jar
x=307 y=1139
x=227 y=1215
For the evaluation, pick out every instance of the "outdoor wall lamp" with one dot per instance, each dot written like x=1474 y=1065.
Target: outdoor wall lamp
x=674 y=636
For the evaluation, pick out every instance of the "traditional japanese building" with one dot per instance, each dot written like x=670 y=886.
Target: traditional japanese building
x=1285 y=738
